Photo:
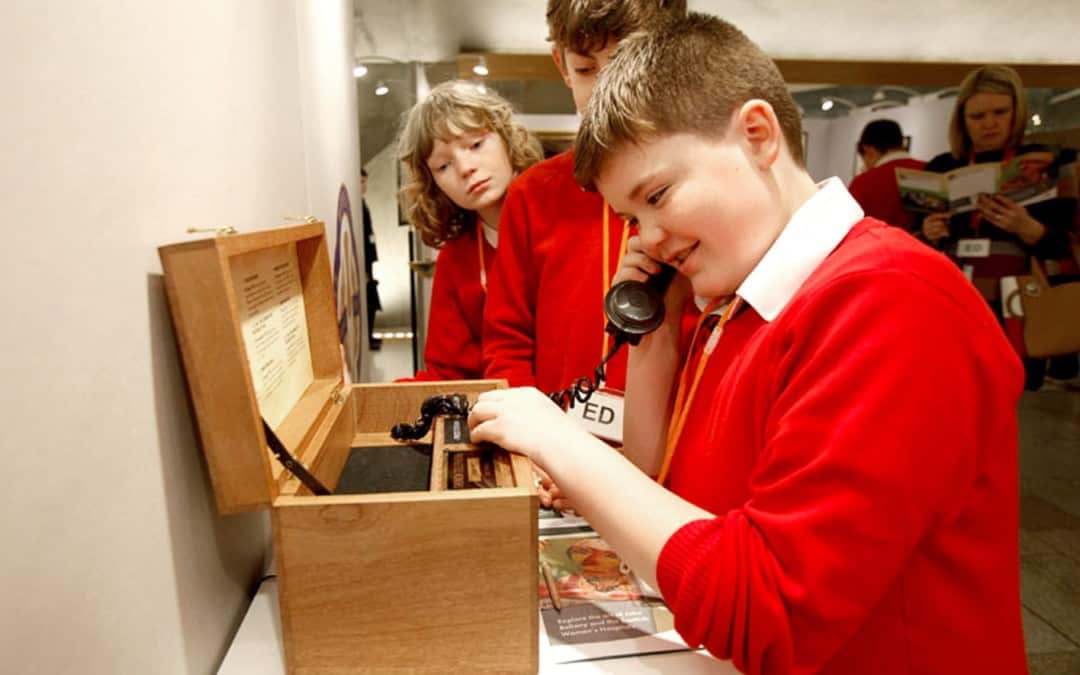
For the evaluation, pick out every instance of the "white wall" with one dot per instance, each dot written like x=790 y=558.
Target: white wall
x=971 y=31
x=328 y=107
x=831 y=143
x=123 y=124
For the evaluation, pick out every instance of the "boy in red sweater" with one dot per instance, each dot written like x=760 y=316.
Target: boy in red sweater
x=560 y=245
x=815 y=510
x=461 y=148
x=881 y=146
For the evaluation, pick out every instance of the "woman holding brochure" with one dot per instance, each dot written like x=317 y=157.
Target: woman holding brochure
x=998 y=238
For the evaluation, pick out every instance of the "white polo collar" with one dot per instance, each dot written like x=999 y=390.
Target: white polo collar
x=892 y=156
x=816 y=228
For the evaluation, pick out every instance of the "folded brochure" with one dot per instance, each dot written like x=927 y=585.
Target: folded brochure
x=1026 y=179
x=604 y=608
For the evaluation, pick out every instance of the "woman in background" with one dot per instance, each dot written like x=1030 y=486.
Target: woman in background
x=1000 y=236
x=461 y=148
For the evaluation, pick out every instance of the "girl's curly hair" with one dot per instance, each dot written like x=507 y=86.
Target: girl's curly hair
x=451 y=109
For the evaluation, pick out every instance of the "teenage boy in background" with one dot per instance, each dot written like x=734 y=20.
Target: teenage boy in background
x=814 y=511
x=881 y=147
x=559 y=246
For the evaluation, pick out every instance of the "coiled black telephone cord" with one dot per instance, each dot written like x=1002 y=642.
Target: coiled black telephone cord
x=456 y=404
x=583 y=388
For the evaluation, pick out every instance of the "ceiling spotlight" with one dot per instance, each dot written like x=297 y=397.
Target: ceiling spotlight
x=359 y=71
x=481 y=68
x=830 y=103
x=1036 y=120
x=381 y=89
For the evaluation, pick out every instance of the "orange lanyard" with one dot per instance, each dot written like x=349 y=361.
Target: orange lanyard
x=683 y=399
x=480 y=253
x=976 y=217
x=607 y=267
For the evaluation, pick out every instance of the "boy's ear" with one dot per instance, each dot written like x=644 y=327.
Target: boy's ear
x=560 y=63
x=757 y=124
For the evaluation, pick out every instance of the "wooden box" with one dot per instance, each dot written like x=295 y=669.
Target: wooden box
x=423 y=579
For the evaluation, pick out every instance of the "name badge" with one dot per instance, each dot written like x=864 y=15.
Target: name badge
x=602 y=415
x=973 y=248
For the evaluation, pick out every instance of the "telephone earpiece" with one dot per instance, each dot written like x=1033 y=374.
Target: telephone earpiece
x=636 y=308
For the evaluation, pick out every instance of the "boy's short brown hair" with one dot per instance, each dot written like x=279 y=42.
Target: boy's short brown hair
x=687 y=76
x=584 y=26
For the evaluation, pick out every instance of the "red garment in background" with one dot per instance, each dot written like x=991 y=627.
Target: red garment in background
x=875 y=190
x=452 y=351
x=544 y=320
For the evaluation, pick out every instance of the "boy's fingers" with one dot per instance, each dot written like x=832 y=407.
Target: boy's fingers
x=492 y=395
x=484 y=432
x=482 y=412
x=541 y=473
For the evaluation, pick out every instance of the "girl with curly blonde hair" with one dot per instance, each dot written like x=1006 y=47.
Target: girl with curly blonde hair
x=460 y=148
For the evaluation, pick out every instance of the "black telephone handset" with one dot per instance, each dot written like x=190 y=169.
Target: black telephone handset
x=636 y=308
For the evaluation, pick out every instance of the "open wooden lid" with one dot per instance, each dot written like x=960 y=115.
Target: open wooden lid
x=256 y=322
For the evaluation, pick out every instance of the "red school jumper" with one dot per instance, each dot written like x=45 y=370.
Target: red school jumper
x=860 y=452
x=455 y=321
x=877 y=192
x=544 y=320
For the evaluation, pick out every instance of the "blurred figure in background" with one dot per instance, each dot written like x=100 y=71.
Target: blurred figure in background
x=988 y=125
x=881 y=147
x=371 y=254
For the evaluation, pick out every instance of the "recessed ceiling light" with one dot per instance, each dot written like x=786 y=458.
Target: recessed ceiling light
x=381 y=89
x=359 y=71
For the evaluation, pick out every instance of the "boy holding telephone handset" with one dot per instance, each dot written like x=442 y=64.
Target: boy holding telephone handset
x=790 y=485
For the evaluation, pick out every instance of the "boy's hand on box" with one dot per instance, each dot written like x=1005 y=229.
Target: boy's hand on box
x=526 y=422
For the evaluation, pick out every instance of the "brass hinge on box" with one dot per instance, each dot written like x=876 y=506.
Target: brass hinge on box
x=219 y=231
x=291 y=464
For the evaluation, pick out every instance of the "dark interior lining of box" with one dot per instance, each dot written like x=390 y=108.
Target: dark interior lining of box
x=392 y=468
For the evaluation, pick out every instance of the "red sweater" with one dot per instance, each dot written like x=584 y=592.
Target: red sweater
x=875 y=190
x=860 y=451
x=544 y=319
x=452 y=351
